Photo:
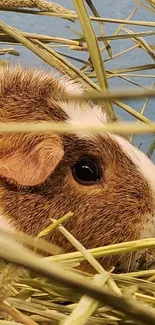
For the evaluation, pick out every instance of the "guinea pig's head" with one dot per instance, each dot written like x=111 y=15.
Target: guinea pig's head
x=105 y=181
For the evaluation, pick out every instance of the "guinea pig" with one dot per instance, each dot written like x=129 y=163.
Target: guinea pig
x=105 y=181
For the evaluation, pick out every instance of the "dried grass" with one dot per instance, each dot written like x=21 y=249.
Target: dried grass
x=52 y=290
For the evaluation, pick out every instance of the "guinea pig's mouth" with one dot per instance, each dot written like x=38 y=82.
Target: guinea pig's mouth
x=143 y=259
x=138 y=261
x=146 y=260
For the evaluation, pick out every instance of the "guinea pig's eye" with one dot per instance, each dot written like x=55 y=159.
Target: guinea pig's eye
x=87 y=171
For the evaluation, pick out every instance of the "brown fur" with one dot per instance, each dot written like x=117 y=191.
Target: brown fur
x=115 y=210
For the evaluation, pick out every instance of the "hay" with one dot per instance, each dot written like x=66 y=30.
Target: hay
x=37 y=290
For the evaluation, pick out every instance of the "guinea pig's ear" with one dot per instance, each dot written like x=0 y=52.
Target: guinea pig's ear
x=29 y=159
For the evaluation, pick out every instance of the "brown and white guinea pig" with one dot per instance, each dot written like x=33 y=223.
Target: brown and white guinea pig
x=105 y=181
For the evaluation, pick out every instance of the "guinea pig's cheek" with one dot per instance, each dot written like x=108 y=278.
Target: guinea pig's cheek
x=141 y=161
x=146 y=170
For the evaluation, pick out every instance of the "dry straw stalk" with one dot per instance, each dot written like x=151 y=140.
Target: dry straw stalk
x=36 y=297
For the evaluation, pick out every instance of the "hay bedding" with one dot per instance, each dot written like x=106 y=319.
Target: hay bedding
x=34 y=290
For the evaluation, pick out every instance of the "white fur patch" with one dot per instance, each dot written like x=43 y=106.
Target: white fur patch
x=80 y=112
x=83 y=113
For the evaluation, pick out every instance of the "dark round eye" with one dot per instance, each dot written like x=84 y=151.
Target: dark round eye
x=87 y=171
